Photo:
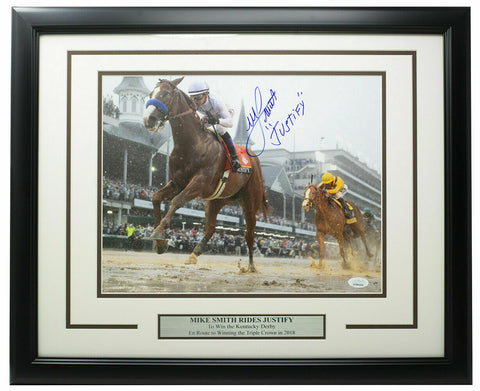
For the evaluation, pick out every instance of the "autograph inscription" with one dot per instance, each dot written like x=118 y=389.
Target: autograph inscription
x=281 y=128
x=259 y=118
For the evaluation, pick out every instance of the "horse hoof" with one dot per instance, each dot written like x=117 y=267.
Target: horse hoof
x=249 y=269
x=157 y=235
x=321 y=264
x=192 y=260
x=161 y=246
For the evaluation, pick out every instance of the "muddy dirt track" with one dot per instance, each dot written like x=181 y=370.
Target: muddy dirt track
x=149 y=273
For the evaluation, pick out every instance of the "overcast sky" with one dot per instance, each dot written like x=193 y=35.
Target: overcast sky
x=319 y=112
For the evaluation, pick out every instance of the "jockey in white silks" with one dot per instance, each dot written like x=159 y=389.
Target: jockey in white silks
x=216 y=114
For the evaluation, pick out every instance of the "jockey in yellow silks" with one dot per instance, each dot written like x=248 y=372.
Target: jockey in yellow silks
x=336 y=187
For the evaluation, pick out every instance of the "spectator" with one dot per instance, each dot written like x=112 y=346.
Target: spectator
x=238 y=245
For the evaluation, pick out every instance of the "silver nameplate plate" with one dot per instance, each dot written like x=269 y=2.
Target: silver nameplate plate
x=241 y=326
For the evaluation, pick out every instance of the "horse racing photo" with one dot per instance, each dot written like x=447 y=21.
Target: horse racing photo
x=242 y=184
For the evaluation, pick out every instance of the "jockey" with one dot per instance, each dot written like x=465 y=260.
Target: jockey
x=369 y=219
x=337 y=189
x=368 y=216
x=216 y=114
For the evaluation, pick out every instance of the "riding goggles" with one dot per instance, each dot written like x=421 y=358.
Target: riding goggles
x=198 y=97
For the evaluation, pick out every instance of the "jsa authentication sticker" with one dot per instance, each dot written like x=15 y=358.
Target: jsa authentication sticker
x=358 y=282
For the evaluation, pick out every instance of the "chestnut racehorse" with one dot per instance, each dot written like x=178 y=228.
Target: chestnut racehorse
x=330 y=220
x=197 y=164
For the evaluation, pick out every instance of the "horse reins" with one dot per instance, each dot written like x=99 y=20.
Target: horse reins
x=176 y=94
x=315 y=200
x=189 y=111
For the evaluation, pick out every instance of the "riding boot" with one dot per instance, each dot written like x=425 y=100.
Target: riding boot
x=233 y=152
x=349 y=213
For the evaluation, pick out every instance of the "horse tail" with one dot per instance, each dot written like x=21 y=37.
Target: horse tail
x=266 y=207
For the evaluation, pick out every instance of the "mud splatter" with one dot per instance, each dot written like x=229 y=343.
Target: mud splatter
x=149 y=273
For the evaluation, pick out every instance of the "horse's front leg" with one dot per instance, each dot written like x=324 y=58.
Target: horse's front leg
x=191 y=191
x=321 y=250
x=166 y=193
x=211 y=212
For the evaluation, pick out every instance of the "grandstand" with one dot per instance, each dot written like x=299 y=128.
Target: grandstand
x=135 y=165
x=301 y=167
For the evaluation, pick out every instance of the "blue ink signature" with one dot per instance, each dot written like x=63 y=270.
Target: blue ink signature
x=256 y=113
x=280 y=129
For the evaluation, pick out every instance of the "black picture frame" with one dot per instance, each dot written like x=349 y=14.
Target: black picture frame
x=28 y=24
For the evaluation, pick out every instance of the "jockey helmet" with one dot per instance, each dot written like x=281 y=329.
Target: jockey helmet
x=367 y=210
x=197 y=88
x=327 y=178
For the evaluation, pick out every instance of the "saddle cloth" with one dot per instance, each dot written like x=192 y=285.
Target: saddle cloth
x=241 y=153
x=242 y=156
x=244 y=161
x=348 y=221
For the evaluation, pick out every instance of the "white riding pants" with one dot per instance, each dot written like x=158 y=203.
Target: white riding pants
x=342 y=192
x=220 y=129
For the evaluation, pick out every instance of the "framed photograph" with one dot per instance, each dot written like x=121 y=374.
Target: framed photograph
x=259 y=196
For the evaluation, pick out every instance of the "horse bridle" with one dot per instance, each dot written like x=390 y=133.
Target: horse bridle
x=312 y=200
x=163 y=107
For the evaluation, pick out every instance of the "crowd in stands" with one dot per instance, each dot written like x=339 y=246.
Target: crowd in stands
x=303 y=175
x=231 y=210
x=109 y=108
x=299 y=187
x=119 y=191
x=221 y=243
x=271 y=219
x=297 y=164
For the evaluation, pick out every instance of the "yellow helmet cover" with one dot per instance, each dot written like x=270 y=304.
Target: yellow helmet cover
x=327 y=178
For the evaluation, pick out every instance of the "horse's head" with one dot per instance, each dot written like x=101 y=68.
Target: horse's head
x=165 y=102
x=309 y=197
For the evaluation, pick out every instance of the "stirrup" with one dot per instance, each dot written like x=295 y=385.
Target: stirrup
x=348 y=213
x=234 y=161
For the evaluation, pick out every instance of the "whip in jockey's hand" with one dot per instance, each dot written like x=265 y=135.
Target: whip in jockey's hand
x=216 y=114
x=335 y=187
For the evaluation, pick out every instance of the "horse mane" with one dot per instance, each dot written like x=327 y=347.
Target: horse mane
x=188 y=99
x=175 y=88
